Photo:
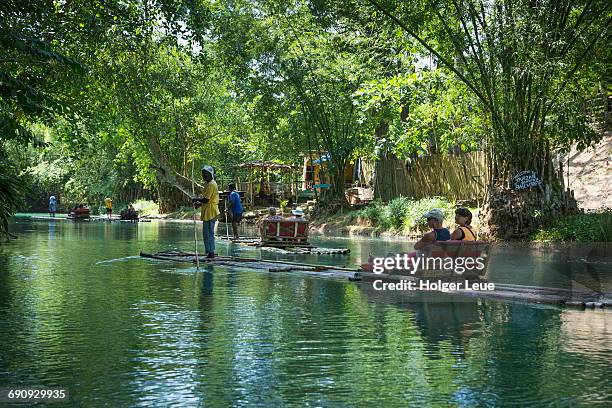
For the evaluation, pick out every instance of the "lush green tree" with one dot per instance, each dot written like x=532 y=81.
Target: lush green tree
x=162 y=87
x=301 y=75
x=521 y=60
x=424 y=112
x=32 y=74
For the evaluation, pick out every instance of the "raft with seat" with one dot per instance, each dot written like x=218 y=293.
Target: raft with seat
x=254 y=263
x=439 y=254
x=286 y=236
x=286 y=232
x=80 y=213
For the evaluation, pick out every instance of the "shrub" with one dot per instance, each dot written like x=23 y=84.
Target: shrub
x=372 y=212
x=397 y=210
x=589 y=227
x=414 y=218
x=146 y=207
x=10 y=194
x=405 y=214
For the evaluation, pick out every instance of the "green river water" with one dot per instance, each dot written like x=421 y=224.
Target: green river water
x=79 y=309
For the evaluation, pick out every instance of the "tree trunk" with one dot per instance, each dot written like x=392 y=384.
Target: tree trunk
x=166 y=173
x=170 y=199
x=515 y=214
x=339 y=181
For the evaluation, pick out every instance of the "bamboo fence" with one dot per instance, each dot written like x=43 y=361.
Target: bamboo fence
x=457 y=177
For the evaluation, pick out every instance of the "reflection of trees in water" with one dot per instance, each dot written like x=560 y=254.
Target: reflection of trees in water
x=493 y=351
x=518 y=352
x=446 y=321
x=590 y=270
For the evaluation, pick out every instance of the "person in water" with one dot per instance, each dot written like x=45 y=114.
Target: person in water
x=235 y=208
x=435 y=219
x=210 y=209
x=464 y=231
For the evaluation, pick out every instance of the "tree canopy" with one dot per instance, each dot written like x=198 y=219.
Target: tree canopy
x=127 y=97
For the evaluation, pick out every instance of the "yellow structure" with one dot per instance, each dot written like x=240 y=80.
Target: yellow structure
x=315 y=173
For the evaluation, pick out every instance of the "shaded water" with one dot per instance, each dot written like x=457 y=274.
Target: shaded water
x=79 y=309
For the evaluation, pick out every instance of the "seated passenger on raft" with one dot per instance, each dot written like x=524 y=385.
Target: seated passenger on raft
x=435 y=219
x=297 y=214
x=464 y=231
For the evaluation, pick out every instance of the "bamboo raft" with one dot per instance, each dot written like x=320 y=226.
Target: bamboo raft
x=503 y=292
x=507 y=292
x=255 y=264
x=302 y=249
x=90 y=219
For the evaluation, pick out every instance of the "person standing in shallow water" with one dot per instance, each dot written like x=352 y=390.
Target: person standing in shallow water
x=52 y=206
x=210 y=209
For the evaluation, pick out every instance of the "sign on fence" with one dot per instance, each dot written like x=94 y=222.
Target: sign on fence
x=525 y=179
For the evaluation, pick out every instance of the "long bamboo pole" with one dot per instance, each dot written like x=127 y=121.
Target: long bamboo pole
x=195 y=225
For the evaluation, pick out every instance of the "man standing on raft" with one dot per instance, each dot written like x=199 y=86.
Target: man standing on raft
x=108 y=204
x=235 y=208
x=210 y=209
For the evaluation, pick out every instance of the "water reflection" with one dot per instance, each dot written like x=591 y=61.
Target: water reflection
x=148 y=333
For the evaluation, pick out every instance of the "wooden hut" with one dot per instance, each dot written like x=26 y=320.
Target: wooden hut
x=357 y=177
x=265 y=182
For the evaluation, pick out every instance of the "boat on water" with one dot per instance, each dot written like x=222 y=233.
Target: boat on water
x=447 y=260
x=285 y=232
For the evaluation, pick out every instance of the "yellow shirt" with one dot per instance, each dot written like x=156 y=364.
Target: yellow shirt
x=468 y=233
x=210 y=209
x=108 y=203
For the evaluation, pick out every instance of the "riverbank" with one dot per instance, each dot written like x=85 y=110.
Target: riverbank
x=399 y=218
x=402 y=218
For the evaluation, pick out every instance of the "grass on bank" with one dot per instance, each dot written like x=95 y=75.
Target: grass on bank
x=587 y=227
x=405 y=216
x=402 y=215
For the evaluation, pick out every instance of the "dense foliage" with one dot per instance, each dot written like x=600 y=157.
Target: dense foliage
x=588 y=227
x=128 y=97
x=404 y=215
